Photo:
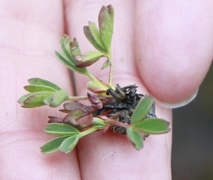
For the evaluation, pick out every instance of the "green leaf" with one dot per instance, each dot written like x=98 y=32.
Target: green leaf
x=75 y=48
x=97 y=86
x=88 y=58
x=37 y=88
x=34 y=99
x=52 y=145
x=43 y=82
x=70 y=65
x=142 y=109
x=65 y=46
x=70 y=49
x=61 y=129
x=92 y=36
x=152 y=126
x=135 y=138
x=106 y=21
x=106 y=64
x=69 y=144
x=40 y=98
x=57 y=98
x=96 y=35
x=98 y=123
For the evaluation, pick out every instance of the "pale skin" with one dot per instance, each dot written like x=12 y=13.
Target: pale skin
x=165 y=47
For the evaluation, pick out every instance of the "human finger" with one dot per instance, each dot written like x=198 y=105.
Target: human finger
x=104 y=156
x=174 y=47
x=29 y=35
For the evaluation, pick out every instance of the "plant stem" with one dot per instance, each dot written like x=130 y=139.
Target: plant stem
x=117 y=123
x=77 y=98
x=93 y=78
x=88 y=131
x=110 y=71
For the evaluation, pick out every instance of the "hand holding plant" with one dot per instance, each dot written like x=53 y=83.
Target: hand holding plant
x=150 y=46
x=116 y=108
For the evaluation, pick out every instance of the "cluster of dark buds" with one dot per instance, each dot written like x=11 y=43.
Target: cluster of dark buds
x=115 y=108
x=121 y=105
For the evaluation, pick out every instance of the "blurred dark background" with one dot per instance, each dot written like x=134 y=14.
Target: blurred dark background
x=192 y=153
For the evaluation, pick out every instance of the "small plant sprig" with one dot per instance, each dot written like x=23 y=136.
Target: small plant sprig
x=120 y=109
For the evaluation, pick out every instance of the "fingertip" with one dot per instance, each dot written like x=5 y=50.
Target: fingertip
x=174 y=48
x=179 y=103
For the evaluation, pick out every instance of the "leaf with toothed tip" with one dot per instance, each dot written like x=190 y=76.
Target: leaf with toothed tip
x=106 y=21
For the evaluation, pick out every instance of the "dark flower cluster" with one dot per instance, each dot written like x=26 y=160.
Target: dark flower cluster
x=121 y=105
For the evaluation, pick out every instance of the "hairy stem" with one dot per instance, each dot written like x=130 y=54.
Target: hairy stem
x=117 y=123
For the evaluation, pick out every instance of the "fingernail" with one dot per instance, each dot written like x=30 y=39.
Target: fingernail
x=178 y=104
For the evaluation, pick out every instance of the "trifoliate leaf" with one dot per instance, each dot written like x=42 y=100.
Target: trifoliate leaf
x=106 y=21
x=43 y=82
x=61 y=129
x=152 y=126
x=69 y=144
x=52 y=145
x=135 y=137
x=88 y=58
x=57 y=98
x=141 y=109
x=34 y=99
